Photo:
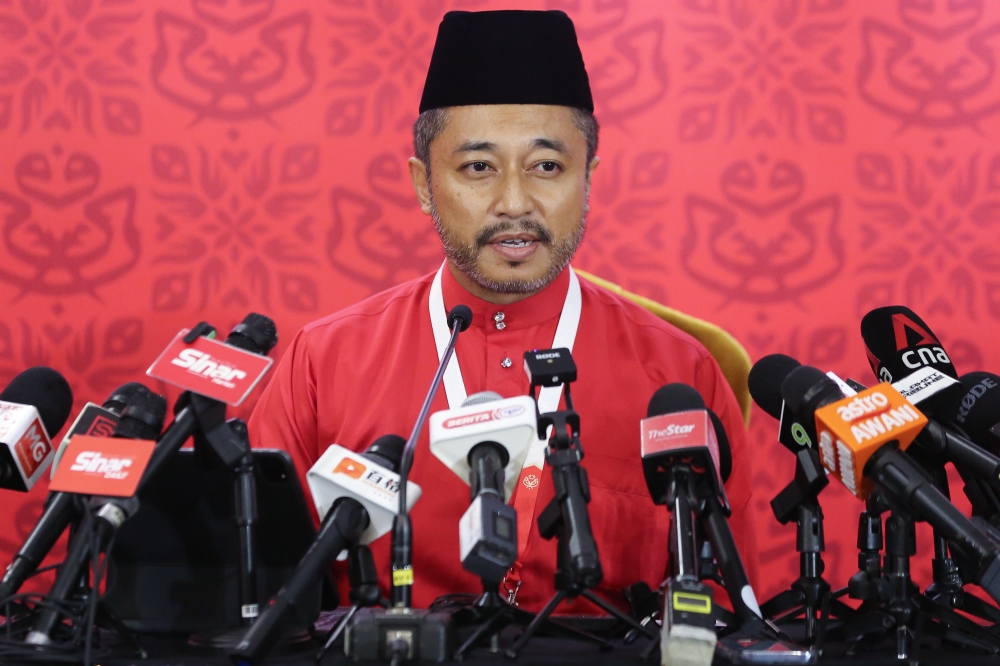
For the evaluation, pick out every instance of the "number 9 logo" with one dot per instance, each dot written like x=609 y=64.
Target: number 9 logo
x=800 y=435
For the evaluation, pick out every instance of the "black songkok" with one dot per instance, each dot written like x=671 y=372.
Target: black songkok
x=506 y=57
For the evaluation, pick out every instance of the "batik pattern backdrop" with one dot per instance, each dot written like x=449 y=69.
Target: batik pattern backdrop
x=777 y=167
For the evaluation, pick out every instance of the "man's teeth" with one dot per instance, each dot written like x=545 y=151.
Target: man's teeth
x=517 y=242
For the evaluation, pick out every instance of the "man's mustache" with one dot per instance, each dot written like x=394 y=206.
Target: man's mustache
x=490 y=231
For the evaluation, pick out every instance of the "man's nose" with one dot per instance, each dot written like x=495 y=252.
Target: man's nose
x=514 y=199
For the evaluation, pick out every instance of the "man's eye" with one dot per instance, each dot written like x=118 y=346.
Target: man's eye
x=549 y=167
x=479 y=166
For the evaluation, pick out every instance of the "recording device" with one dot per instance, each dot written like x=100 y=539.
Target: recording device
x=344 y=522
x=33 y=408
x=61 y=508
x=861 y=440
x=142 y=418
x=485 y=442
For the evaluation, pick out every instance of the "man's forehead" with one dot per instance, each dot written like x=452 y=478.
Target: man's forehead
x=493 y=127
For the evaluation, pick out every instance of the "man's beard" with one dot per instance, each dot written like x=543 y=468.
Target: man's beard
x=466 y=256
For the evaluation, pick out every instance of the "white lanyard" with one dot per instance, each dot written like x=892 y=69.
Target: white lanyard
x=454 y=385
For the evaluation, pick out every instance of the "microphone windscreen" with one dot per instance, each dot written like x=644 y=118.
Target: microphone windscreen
x=389 y=451
x=800 y=388
x=725 y=453
x=898 y=342
x=979 y=408
x=672 y=398
x=257 y=334
x=462 y=313
x=143 y=416
x=765 y=380
x=481 y=397
x=47 y=391
x=120 y=396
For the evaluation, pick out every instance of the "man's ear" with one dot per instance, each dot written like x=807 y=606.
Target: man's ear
x=421 y=183
x=593 y=165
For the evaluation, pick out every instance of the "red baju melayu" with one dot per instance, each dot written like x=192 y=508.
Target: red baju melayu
x=361 y=373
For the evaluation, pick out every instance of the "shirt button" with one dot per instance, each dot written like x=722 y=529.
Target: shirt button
x=506 y=363
x=498 y=320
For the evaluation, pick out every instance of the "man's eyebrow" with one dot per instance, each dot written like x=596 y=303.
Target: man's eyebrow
x=476 y=146
x=550 y=144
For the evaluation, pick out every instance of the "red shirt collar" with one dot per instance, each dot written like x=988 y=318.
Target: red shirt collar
x=532 y=311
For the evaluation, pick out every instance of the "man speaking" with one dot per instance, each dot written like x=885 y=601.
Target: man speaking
x=504 y=153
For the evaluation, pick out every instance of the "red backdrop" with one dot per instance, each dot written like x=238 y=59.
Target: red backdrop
x=778 y=167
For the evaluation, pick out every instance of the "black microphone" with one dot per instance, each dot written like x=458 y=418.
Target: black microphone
x=674 y=398
x=38 y=402
x=764 y=382
x=60 y=509
x=256 y=334
x=899 y=477
x=342 y=527
x=898 y=343
x=108 y=513
x=459 y=320
x=978 y=410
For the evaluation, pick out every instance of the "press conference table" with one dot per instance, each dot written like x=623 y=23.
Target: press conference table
x=542 y=650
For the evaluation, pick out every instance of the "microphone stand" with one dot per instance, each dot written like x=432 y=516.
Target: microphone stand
x=810 y=595
x=365 y=593
x=401 y=632
x=892 y=604
x=578 y=567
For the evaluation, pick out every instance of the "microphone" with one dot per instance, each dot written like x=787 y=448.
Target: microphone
x=485 y=442
x=98 y=420
x=459 y=320
x=862 y=440
x=901 y=345
x=978 y=410
x=369 y=478
x=33 y=408
x=898 y=342
x=700 y=441
x=256 y=334
x=61 y=508
x=345 y=523
x=107 y=515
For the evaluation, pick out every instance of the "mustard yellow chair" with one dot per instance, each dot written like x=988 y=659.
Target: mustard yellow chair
x=728 y=353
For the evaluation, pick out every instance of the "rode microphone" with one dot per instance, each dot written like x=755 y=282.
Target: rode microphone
x=107 y=513
x=61 y=508
x=978 y=410
x=860 y=441
x=485 y=442
x=33 y=408
x=459 y=319
x=898 y=342
x=346 y=522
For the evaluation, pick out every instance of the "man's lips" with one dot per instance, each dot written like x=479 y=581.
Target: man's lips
x=514 y=247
